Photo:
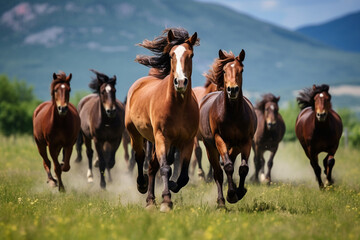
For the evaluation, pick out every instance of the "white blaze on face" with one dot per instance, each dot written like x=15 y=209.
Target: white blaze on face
x=321 y=95
x=232 y=65
x=62 y=86
x=272 y=107
x=179 y=51
x=108 y=88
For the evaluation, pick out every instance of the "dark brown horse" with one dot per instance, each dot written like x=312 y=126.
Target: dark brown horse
x=269 y=132
x=200 y=93
x=227 y=124
x=102 y=119
x=318 y=128
x=163 y=109
x=56 y=124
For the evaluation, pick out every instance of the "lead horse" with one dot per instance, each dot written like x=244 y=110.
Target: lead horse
x=56 y=125
x=102 y=120
x=163 y=109
x=269 y=132
x=318 y=128
x=227 y=124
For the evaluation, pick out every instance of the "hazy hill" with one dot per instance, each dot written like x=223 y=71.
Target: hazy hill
x=342 y=33
x=41 y=37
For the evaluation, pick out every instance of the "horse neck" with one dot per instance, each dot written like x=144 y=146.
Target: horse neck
x=236 y=105
x=173 y=95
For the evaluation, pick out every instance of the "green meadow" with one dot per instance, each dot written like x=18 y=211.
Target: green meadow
x=292 y=207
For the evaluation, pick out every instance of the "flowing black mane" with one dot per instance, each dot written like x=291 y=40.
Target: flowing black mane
x=160 y=47
x=100 y=79
x=306 y=97
x=266 y=98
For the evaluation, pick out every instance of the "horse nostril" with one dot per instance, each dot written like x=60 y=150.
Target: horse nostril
x=228 y=89
x=176 y=81
x=236 y=89
x=185 y=81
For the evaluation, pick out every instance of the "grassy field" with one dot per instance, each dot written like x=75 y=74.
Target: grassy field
x=291 y=208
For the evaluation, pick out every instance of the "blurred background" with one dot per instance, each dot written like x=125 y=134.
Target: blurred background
x=289 y=45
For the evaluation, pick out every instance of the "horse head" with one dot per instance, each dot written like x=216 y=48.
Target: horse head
x=271 y=110
x=232 y=74
x=181 y=61
x=60 y=91
x=105 y=87
x=322 y=102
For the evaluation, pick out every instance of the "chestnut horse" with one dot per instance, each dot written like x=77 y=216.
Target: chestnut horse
x=269 y=132
x=56 y=124
x=200 y=93
x=227 y=124
x=162 y=109
x=318 y=128
x=102 y=119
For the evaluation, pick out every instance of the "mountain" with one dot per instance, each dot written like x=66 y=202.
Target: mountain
x=342 y=33
x=41 y=37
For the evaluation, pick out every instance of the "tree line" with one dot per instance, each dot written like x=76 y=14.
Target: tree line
x=18 y=102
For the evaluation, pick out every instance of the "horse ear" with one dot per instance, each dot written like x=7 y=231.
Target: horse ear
x=277 y=99
x=69 y=77
x=193 y=39
x=242 y=55
x=114 y=77
x=314 y=87
x=170 y=36
x=221 y=54
x=54 y=76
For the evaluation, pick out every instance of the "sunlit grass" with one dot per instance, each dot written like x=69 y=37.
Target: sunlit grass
x=290 y=208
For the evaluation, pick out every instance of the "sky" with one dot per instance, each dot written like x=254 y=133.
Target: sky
x=292 y=14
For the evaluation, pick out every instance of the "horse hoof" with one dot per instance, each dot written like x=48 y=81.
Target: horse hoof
x=143 y=187
x=165 y=207
x=90 y=179
x=52 y=183
x=221 y=204
x=150 y=207
x=173 y=186
x=328 y=183
x=103 y=185
x=262 y=177
x=241 y=193
x=78 y=160
x=61 y=189
x=65 y=168
x=232 y=197
x=96 y=164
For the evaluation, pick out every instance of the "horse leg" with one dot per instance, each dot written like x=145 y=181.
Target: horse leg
x=54 y=152
x=228 y=167
x=198 y=157
x=79 y=142
x=65 y=166
x=89 y=153
x=210 y=175
x=126 y=152
x=132 y=161
x=329 y=162
x=153 y=168
x=270 y=165
x=213 y=156
x=175 y=158
x=243 y=170
x=46 y=163
x=257 y=164
x=315 y=165
x=148 y=155
x=102 y=162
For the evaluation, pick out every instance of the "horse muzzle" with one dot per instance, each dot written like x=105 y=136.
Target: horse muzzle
x=62 y=110
x=270 y=125
x=180 y=84
x=233 y=92
x=321 y=116
x=110 y=112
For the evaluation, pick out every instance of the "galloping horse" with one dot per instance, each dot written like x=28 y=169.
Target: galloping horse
x=163 y=109
x=102 y=119
x=269 y=132
x=318 y=128
x=227 y=124
x=56 y=124
x=201 y=92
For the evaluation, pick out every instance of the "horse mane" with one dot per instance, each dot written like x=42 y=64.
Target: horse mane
x=306 y=97
x=269 y=97
x=160 y=47
x=207 y=83
x=100 y=79
x=60 y=78
x=216 y=74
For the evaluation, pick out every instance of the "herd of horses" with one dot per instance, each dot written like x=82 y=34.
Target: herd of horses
x=165 y=118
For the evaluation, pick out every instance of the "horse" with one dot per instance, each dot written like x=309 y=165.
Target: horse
x=269 y=132
x=200 y=92
x=56 y=125
x=102 y=120
x=318 y=128
x=227 y=124
x=162 y=109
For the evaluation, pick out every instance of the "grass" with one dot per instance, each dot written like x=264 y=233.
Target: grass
x=291 y=208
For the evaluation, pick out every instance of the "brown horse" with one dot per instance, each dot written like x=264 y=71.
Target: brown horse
x=269 y=132
x=227 y=124
x=102 y=119
x=200 y=93
x=318 y=128
x=163 y=109
x=56 y=124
